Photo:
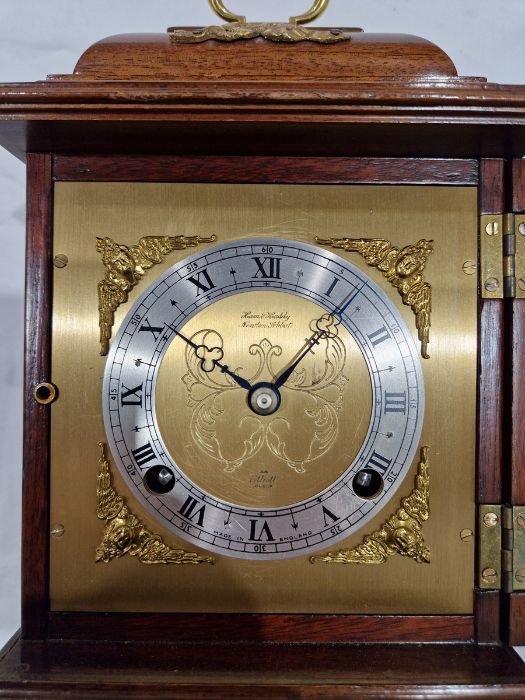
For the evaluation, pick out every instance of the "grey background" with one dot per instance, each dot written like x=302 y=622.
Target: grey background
x=483 y=37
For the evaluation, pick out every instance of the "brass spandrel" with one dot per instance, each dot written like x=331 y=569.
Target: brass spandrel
x=126 y=266
x=401 y=534
x=403 y=268
x=125 y=535
x=447 y=215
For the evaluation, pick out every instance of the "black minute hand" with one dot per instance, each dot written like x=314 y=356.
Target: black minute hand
x=243 y=383
x=314 y=340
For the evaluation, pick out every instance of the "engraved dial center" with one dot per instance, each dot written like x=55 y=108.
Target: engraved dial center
x=270 y=444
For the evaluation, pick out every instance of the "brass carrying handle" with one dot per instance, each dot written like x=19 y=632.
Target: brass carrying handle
x=220 y=9
x=315 y=11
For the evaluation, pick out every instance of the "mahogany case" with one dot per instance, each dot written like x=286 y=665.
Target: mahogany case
x=378 y=109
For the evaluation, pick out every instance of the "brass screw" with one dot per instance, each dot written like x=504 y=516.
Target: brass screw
x=489 y=575
x=520 y=575
x=469 y=267
x=57 y=530
x=492 y=228
x=60 y=260
x=492 y=284
x=466 y=534
x=491 y=519
x=521 y=284
x=521 y=228
x=520 y=520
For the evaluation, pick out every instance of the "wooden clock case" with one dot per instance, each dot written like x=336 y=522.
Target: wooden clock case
x=378 y=110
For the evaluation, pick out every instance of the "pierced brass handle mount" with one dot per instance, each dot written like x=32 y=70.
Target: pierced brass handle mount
x=315 y=11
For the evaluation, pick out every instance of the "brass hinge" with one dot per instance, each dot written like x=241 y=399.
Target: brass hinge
x=501 y=548
x=502 y=256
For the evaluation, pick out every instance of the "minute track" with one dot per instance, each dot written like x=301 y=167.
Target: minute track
x=298 y=527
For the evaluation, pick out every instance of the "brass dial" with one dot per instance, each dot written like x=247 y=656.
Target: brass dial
x=263 y=399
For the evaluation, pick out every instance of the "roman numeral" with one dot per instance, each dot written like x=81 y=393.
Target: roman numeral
x=268 y=268
x=143 y=454
x=379 y=336
x=331 y=287
x=395 y=403
x=379 y=462
x=191 y=512
x=329 y=515
x=154 y=330
x=131 y=397
x=264 y=530
x=202 y=281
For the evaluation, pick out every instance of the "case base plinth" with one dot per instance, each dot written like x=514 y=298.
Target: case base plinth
x=54 y=669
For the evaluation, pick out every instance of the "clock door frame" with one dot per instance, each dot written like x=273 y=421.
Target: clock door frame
x=38 y=623
x=514 y=448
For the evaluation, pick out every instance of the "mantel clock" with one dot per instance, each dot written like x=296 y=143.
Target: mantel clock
x=274 y=367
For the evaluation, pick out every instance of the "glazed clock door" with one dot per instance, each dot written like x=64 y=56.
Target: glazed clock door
x=273 y=391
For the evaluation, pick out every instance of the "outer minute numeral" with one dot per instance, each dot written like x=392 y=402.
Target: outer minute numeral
x=131 y=397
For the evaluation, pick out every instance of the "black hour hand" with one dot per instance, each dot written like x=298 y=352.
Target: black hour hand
x=211 y=358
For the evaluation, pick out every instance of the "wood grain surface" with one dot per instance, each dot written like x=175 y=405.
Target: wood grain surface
x=35 y=481
x=83 y=670
x=364 y=57
x=260 y=169
x=366 y=111
x=516 y=620
x=263 y=628
x=491 y=402
x=376 y=95
x=491 y=397
x=488 y=617
x=516 y=429
x=492 y=186
x=516 y=360
x=518 y=186
x=395 y=133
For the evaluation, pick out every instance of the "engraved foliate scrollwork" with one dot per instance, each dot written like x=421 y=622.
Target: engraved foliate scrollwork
x=124 y=534
x=401 y=534
x=403 y=268
x=211 y=395
x=126 y=266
